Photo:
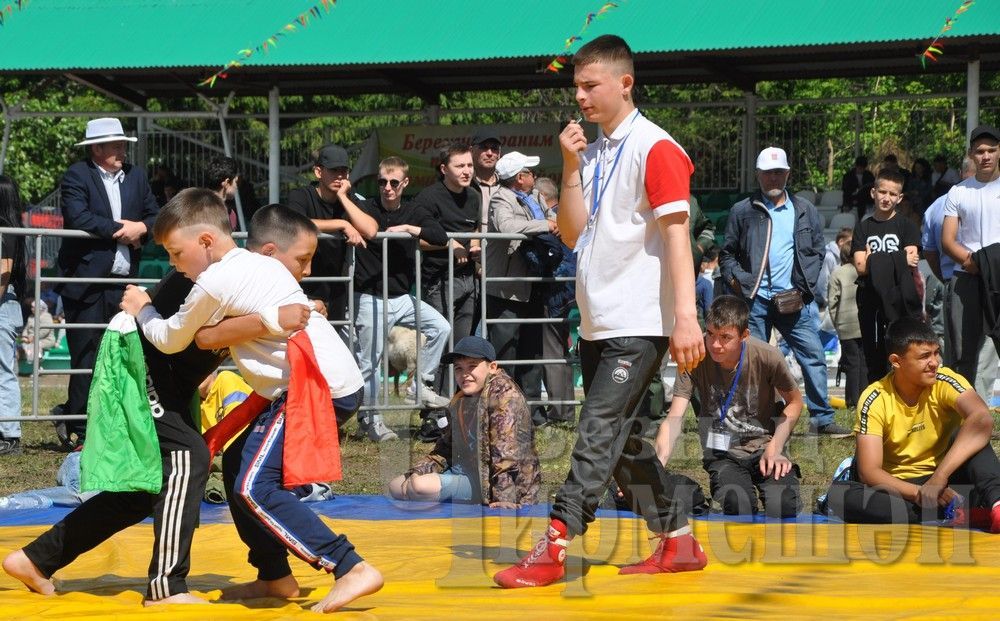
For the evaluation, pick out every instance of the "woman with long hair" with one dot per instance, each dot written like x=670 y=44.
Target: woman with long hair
x=13 y=277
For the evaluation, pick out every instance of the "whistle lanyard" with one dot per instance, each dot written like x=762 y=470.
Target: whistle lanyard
x=596 y=192
x=732 y=389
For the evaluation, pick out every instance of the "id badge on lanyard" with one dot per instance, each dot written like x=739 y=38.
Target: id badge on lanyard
x=719 y=438
x=597 y=193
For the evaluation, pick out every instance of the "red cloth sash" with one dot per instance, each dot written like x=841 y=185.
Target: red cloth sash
x=242 y=415
x=311 y=452
x=312 y=449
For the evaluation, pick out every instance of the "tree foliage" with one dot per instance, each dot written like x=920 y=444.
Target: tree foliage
x=822 y=138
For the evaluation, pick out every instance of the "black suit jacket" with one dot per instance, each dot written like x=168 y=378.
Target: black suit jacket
x=86 y=207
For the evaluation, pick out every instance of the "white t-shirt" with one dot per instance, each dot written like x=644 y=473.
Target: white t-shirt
x=977 y=206
x=243 y=283
x=623 y=285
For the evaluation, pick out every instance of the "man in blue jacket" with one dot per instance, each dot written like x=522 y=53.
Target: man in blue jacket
x=112 y=201
x=772 y=256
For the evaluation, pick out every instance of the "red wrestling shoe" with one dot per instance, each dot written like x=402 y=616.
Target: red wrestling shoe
x=995 y=519
x=676 y=552
x=544 y=565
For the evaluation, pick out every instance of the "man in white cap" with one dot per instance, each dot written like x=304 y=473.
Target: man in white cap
x=112 y=201
x=772 y=256
x=513 y=209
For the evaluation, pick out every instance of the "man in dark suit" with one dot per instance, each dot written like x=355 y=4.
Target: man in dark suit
x=111 y=200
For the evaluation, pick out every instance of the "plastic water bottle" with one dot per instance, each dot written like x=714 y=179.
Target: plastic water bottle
x=25 y=500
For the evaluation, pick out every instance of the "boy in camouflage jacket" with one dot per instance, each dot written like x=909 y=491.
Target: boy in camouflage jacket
x=487 y=452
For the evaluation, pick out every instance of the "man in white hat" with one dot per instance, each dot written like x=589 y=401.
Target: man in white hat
x=772 y=256
x=112 y=201
x=513 y=209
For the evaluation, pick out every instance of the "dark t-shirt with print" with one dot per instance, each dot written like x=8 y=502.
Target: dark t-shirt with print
x=889 y=235
x=750 y=418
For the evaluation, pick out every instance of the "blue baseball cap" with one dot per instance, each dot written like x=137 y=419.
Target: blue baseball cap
x=471 y=347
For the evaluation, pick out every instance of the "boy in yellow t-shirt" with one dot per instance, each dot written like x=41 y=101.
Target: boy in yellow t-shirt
x=923 y=441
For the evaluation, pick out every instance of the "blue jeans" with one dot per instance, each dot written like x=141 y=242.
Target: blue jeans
x=801 y=331
x=372 y=334
x=66 y=494
x=11 y=323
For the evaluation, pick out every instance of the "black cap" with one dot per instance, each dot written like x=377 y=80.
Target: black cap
x=471 y=347
x=332 y=156
x=484 y=134
x=984 y=131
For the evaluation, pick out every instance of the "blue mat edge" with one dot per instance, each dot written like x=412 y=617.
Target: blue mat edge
x=379 y=508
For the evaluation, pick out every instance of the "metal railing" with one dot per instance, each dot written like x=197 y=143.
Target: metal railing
x=37 y=237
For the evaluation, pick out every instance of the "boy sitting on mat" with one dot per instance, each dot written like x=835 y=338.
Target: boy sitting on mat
x=487 y=452
x=923 y=442
x=742 y=431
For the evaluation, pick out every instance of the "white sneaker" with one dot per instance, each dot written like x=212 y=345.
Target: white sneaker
x=428 y=398
x=375 y=429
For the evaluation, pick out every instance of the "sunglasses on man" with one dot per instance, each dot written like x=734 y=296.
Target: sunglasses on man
x=392 y=183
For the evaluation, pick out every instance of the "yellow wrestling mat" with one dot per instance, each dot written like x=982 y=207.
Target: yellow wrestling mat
x=441 y=568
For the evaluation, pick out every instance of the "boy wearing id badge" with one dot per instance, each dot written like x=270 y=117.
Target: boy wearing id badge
x=742 y=429
x=624 y=210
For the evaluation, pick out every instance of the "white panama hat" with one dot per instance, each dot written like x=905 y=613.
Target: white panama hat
x=105 y=130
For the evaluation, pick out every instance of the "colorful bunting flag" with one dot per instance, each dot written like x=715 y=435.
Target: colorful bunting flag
x=934 y=49
x=302 y=19
x=7 y=10
x=560 y=61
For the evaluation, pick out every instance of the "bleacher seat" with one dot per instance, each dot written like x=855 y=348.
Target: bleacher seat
x=153 y=268
x=831 y=198
x=153 y=251
x=808 y=195
x=58 y=356
x=844 y=219
x=718 y=201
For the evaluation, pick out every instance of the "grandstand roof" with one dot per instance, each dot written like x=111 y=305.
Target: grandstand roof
x=139 y=49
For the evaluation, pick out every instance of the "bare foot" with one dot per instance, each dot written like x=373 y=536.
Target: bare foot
x=180 y=598
x=363 y=579
x=283 y=588
x=18 y=565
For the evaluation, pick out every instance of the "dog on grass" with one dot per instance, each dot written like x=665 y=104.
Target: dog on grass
x=402 y=351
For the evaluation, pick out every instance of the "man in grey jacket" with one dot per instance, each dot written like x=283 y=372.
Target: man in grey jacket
x=774 y=245
x=513 y=209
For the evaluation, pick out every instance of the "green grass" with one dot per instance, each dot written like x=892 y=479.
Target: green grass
x=368 y=466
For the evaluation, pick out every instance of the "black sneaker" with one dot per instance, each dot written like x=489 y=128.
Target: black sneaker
x=432 y=427
x=61 y=431
x=832 y=430
x=10 y=446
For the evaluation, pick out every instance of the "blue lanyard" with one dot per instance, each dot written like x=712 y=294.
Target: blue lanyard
x=732 y=389
x=596 y=193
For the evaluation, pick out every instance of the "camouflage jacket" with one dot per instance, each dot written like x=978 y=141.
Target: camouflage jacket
x=505 y=443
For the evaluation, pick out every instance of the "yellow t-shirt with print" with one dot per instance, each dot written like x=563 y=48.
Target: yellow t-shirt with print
x=914 y=439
